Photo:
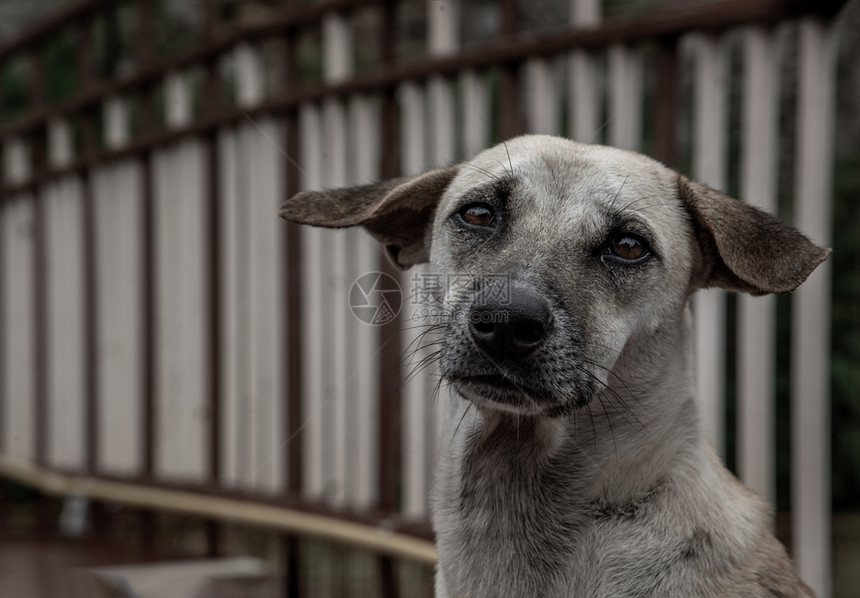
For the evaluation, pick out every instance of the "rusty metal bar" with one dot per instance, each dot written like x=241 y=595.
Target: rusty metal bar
x=146 y=122
x=667 y=22
x=667 y=101
x=40 y=329
x=86 y=76
x=389 y=334
x=214 y=253
x=512 y=121
x=91 y=325
x=293 y=281
x=3 y=286
x=292 y=332
x=38 y=162
x=52 y=25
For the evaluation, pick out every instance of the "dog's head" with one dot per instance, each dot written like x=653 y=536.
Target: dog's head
x=564 y=260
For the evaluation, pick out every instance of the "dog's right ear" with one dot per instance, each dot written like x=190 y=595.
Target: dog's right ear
x=398 y=213
x=746 y=249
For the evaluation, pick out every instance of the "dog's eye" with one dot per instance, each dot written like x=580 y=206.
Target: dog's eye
x=478 y=214
x=628 y=248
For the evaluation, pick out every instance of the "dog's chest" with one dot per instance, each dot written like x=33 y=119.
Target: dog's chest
x=504 y=510
x=512 y=525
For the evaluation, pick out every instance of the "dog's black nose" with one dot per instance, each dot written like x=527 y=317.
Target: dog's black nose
x=510 y=326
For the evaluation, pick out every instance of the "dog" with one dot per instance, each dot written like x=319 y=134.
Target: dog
x=574 y=462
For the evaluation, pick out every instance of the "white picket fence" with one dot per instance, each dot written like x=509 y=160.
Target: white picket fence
x=443 y=119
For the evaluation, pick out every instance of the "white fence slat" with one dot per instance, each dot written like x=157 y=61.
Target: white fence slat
x=709 y=167
x=117 y=207
x=583 y=101
x=414 y=423
x=756 y=324
x=264 y=195
x=254 y=273
x=364 y=147
x=543 y=107
x=337 y=47
x=443 y=22
x=65 y=323
x=316 y=251
x=182 y=378
x=584 y=109
x=811 y=310
x=18 y=255
x=414 y=390
x=116 y=117
x=181 y=385
x=442 y=40
x=476 y=113
x=16 y=161
x=443 y=114
x=59 y=142
x=65 y=306
x=234 y=314
x=177 y=100
x=585 y=13
x=337 y=65
x=625 y=97
x=413 y=129
x=250 y=75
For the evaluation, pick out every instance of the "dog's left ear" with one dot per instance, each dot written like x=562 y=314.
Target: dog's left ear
x=398 y=213
x=744 y=248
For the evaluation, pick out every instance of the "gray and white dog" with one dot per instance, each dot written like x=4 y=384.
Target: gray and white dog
x=574 y=462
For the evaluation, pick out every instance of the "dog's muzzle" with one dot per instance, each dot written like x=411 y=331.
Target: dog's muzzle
x=511 y=327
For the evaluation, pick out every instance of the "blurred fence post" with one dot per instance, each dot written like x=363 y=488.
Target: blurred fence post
x=810 y=382
x=710 y=94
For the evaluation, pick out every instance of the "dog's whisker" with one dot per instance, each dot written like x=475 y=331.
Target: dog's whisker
x=426 y=362
x=490 y=174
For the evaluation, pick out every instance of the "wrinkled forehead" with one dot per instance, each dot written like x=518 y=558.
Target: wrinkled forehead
x=572 y=180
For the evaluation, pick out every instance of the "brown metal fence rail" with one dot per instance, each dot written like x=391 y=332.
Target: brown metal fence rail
x=168 y=345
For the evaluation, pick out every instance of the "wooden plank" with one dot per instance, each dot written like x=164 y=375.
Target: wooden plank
x=18 y=253
x=625 y=97
x=756 y=324
x=709 y=167
x=233 y=371
x=476 y=113
x=336 y=273
x=117 y=129
x=543 y=106
x=583 y=97
x=810 y=355
x=265 y=191
x=182 y=385
x=65 y=309
x=316 y=250
x=443 y=39
x=18 y=301
x=365 y=149
x=117 y=207
x=340 y=408
x=259 y=264
x=413 y=473
x=584 y=109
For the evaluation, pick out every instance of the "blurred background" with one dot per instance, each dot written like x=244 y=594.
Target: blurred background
x=188 y=406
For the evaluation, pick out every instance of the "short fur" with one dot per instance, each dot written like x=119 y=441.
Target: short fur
x=579 y=468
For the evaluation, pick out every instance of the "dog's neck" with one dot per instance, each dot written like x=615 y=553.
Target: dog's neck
x=505 y=482
x=647 y=415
